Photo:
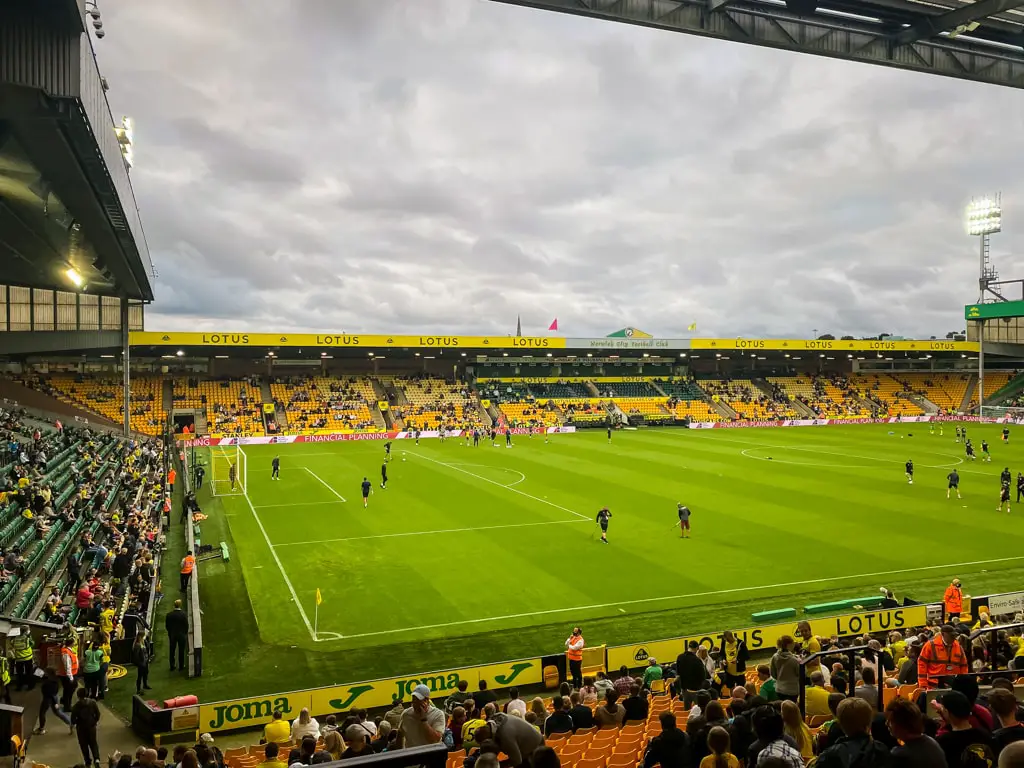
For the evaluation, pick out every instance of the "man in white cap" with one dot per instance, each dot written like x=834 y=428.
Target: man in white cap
x=422 y=723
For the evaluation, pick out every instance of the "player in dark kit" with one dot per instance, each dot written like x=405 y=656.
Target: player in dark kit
x=684 y=521
x=603 y=516
x=1005 y=476
x=985 y=455
x=233 y=475
x=508 y=437
x=970 y=450
x=387 y=451
x=494 y=437
x=366 y=491
x=958 y=434
x=1006 y=434
x=275 y=468
x=1020 y=486
x=954 y=483
x=609 y=433
x=476 y=438
x=417 y=433
x=384 y=475
x=1004 y=497
x=910 y=471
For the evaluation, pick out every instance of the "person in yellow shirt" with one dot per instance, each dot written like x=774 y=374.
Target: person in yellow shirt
x=809 y=645
x=277 y=730
x=107 y=618
x=898 y=648
x=270 y=752
x=816 y=696
x=719 y=745
x=797 y=729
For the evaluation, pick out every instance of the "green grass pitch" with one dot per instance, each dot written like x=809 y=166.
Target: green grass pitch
x=481 y=554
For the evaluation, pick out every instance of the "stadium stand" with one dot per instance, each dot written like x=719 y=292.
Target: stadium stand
x=628 y=389
x=435 y=402
x=744 y=397
x=529 y=414
x=946 y=390
x=232 y=406
x=561 y=390
x=103 y=395
x=583 y=411
x=325 y=403
x=890 y=393
x=828 y=397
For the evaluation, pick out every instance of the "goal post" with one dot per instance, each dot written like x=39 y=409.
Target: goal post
x=228 y=470
x=998 y=412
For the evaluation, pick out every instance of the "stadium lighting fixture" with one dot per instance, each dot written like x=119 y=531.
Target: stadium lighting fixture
x=181 y=353
x=984 y=216
x=75 y=277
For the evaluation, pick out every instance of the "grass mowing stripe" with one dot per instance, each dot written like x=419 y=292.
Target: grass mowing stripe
x=325 y=485
x=714 y=593
x=427 y=533
x=506 y=487
x=287 y=581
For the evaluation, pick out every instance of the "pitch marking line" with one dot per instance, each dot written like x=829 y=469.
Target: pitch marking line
x=280 y=567
x=736 y=590
x=492 y=482
x=325 y=485
x=426 y=533
x=522 y=477
x=297 y=504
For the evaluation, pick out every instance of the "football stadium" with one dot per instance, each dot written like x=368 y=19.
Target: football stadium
x=421 y=547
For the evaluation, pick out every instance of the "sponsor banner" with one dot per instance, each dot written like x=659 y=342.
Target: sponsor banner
x=998 y=309
x=333 y=437
x=812 y=422
x=269 y=408
x=837 y=345
x=174 y=339
x=248 y=713
x=573 y=379
x=1011 y=602
x=383 y=405
x=760 y=638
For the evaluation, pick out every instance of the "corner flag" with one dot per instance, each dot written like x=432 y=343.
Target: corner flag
x=692 y=327
x=319 y=599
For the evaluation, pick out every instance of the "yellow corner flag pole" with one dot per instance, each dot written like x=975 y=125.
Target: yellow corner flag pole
x=316 y=612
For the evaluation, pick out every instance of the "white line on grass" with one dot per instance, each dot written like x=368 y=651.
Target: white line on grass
x=325 y=485
x=620 y=603
x=426 y=533
x=287 y=581
x=522 y=477
x=492 y=482
x=298 y=504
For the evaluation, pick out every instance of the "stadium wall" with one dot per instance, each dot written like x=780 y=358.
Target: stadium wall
x=252 y=712
x=332 y=437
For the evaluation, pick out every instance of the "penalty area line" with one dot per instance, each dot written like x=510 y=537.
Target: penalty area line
x=736 y=590
x=325 y=485
x=425 y=533
x=500 y=485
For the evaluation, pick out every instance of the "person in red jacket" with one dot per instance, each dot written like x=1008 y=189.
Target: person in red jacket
x=953 y=600
x=83 y=598
x=942 y=655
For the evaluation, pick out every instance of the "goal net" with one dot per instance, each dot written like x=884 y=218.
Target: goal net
x=228 y=470
x=998 y=412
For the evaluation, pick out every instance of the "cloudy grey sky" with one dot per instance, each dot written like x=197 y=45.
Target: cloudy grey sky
x=444 y=165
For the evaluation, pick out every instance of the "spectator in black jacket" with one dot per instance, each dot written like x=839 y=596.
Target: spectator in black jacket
x=559 y=721
x=581 y=715
x=636 y=706
x=176 y=625
x=670 y=748
x=691 y=674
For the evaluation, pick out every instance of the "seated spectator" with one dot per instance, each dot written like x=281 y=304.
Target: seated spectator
x=719 y=747
x=855 y=717
x=624 y=681
x=559 y=721
x=869 y=691
x=277 y=730
x=603 y=684
x=582 y=716
x=514 y=703
x=610 y=714
x=771 y=740
x=796 y=729
x=271 y=752
x=916 y=749
x=355 y=742
x=636 y=706
x=815 y=696
x=962 y=737
x=540 y=712
x=766 y=683
x=304 y=725
x=670 y=748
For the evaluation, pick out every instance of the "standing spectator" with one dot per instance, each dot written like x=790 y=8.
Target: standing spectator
x=24 y=664
x=953 y=599
x=92 y=662
x=458 y=698
x=766 y=682
x=422 y=723
x=176 y=624
x=734 y=650
x=809 y=645
x=514 y=703
x=916 y=749
x=68 y=672
x=188 y=564
x=671 y=747
x=857 y=747
x=50 y=689
x=85 y=717
x=304 y=725
x=785 y=669
x=1004 y=706
x=942 y=655
x=483 y=696
x=574 y=655
x=691 y=674
x=516 y=738
x=140 y=658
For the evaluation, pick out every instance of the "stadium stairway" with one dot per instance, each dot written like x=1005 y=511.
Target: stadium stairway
x=167 y=395
x=40 y=401
x=727 y=413
x=592 y=389
x=797 y=406
x=969 y=399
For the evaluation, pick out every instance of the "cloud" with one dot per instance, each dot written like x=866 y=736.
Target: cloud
x=443 y=166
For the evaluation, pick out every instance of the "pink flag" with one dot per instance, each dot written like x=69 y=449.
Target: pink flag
x=554 y=325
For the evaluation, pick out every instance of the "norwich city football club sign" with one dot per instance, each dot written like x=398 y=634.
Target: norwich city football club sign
x=247 y=713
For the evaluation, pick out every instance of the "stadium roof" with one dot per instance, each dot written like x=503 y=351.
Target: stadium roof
x=981 y=41
x=66 y=201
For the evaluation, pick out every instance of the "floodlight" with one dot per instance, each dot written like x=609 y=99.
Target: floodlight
x=984 y=216
x=73 y=275
x=181 y=353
